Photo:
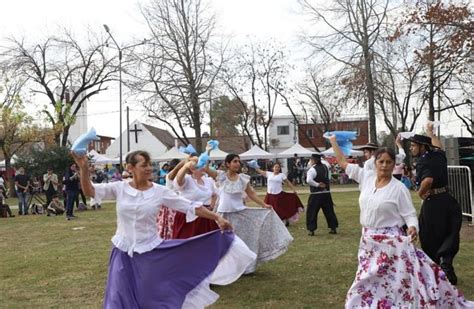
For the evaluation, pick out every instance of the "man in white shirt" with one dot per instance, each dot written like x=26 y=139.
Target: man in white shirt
x=369 y=151
x=320 y=196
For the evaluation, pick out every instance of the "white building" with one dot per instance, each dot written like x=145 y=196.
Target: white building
x=282 y=133
x=142 y=137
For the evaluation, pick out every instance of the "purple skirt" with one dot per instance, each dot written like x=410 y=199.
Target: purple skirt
x=177 y=273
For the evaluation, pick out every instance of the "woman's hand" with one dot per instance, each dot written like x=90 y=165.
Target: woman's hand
x=81 y=160
x=265 y=205
x=223 y=224
x=411 y=231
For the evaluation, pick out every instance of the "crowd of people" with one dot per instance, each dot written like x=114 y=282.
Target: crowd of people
x=166 y=215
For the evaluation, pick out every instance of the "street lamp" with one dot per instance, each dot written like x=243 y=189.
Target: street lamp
x=107 y=29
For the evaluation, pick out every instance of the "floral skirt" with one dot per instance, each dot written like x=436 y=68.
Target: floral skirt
x=288 y=206
x=262 y=231
x=165 y=222
x=393 y=273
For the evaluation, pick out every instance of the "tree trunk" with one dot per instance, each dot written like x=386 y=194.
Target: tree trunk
x=370 y=95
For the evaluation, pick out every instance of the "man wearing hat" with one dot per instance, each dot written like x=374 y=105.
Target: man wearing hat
x=369 y=152
x=320 y=196
x=440 y=216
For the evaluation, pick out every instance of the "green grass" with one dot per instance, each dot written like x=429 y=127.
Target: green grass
x=46 y=263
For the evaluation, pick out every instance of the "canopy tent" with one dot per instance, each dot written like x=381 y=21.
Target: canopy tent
x=98 y=158
x=295 y=149
x=353 y=153
x=256 y=153
x=217 y=154
x=171 y=154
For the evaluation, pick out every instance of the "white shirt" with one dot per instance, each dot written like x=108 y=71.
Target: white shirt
x=311 y=174
x=194 y=191
x=275 y=182
x=137 y=211
x=231 y=193
x=369 y=164
x=388 y=206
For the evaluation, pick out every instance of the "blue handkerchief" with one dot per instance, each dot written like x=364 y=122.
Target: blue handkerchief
x=253 y=164
x=213 y=144
x=188 y=149
x=80 y=144
x=202 y=160
x=343 y=139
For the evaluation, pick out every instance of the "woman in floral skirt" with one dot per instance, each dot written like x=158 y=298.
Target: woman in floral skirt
x=392 y=272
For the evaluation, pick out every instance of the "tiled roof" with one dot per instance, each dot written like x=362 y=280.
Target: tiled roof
x=164 y=136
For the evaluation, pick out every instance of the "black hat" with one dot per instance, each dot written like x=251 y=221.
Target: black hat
x=420 y=139
x=369 y=146
x=316 y=155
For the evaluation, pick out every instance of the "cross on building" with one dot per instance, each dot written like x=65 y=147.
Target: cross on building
x=136 y=130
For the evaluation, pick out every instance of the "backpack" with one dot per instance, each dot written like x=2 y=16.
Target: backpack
x=37 y=209
x=81 y=207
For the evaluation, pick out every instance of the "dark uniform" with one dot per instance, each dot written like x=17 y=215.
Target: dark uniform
x=440 y=216
x=320 y=198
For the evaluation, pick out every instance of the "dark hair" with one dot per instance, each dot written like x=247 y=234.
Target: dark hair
x=166 y=164
x=230 y=157
x=173 y=163
x=132 y=159
x=386 y=150
x=277 y=163
x=55 y=195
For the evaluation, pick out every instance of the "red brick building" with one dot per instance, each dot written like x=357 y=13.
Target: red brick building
x=315 y=132
x=101 y=145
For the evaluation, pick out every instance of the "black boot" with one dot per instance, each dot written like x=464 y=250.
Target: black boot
x=446 y=264
x=333 y=231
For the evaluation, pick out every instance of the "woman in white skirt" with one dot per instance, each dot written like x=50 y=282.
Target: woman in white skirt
x=260 y=228
x=392 y=272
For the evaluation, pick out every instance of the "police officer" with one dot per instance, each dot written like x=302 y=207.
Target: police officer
x=320 y=196
x=440 y=216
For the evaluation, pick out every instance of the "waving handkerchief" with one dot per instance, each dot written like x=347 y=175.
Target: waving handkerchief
x=202 y=160
x=343 y=139
x=253 y=164
x=80 y=144
x=187 y=150
x=405 y=135
x=213 y=144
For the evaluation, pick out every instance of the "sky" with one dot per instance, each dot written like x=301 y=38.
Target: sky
x=264 y=19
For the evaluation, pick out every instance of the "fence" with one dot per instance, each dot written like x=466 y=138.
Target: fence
x=460 y=185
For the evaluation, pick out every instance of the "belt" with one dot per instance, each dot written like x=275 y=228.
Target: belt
x=439 y=190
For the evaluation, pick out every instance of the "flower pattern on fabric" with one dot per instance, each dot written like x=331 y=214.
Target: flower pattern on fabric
x=232 y=186
x=165 y=222
x=393 y=273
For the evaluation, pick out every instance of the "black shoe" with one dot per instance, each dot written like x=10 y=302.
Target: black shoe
x=12 y=216
x=333 y=231
x=311 y=233
x=287 y=223
x=447 y=267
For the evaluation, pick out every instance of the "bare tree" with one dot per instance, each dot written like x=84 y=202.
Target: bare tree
x=174 y=75
x=66 y=72
x=354 y=28
x=256 y=77
x=400 y=87
x=444 y=32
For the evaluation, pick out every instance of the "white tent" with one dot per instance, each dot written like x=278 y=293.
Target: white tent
x=295 y=149
x=354 y=153
x=171 y=154
x=256 y=153
x=218 y=154
x=98 y=158
x=12 y=161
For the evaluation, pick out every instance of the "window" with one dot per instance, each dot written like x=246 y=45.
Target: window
x=309 y=132
x=283 y=130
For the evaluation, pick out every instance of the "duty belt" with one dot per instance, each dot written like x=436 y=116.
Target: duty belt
x=439 y=190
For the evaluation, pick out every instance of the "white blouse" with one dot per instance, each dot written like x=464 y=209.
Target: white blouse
x=231 y=193
x=275 y=182
x=194 y=191
x=137 y=211
x=388 y=206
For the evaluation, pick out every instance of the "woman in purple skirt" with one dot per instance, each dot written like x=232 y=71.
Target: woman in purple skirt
x=146 y=271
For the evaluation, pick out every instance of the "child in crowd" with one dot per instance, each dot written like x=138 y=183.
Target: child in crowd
x=56 y=207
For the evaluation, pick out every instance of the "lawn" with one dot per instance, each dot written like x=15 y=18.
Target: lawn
x=51 y=262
